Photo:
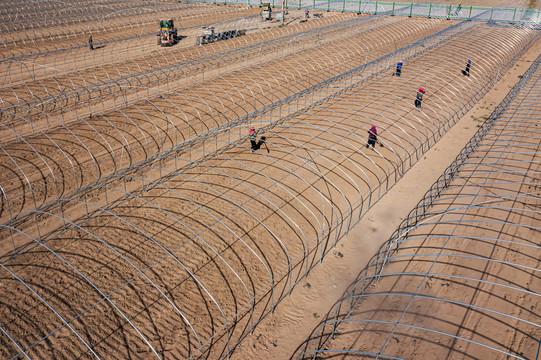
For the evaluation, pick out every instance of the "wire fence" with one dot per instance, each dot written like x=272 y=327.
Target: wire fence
x=459 y=12
x=458 y=267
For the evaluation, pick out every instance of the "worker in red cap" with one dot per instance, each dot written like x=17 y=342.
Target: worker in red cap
x=253 y=137
x=372 y=136
x=419 y=98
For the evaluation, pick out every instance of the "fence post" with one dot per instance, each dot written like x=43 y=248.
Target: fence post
x=392 y=14
x=449 y=13
x=344 y=7
x=328 y=5
x=514 y=13
x=429 y=11
x=469 y=16
x=360 y=2
x=314 y=6
x=376 y=11
x=491 y=12
x=411 y=9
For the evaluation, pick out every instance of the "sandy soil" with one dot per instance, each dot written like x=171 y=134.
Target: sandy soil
x=293 y=322
x=33 y=37
x=484 y=288
x=165 y=121
x=53 y=74
x=193 y=260
x=122 y=54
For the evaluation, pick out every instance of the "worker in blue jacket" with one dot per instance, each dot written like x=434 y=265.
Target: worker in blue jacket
x=399 y=68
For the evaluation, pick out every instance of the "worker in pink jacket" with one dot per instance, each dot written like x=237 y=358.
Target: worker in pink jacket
x=372 y=137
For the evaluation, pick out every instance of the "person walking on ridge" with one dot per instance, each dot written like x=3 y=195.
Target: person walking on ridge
x=90 y=42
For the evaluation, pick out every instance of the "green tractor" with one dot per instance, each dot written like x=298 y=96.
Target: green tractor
x=167 y=36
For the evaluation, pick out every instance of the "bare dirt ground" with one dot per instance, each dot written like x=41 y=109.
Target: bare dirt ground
x=30 y=37
x=291 y=324
x=164 y=121
x=197 y=257
x=465 y=283
x=124 y=56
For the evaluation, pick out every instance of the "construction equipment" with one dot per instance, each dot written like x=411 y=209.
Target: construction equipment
x=266 y=11
x=168 y=34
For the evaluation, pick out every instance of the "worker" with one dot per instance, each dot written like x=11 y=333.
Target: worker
x=467 y=71
x=306 y=13
x=372 y=137
x=90 y=42
x=399 y=68
x=253 y=137
x=457 y=11
x=419 y=98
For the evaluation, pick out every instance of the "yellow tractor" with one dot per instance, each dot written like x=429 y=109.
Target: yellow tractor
x=168 y=34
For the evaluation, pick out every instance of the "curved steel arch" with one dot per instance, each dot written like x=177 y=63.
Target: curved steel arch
x=446 y=197
x=297 y=104
x=88 y=281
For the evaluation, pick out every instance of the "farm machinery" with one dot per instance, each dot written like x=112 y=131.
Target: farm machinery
x=210 y=36
x=168 y=33
x=266 y=11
